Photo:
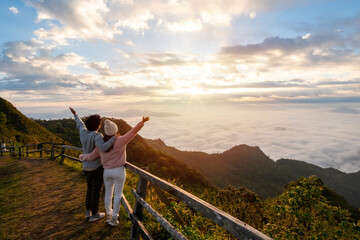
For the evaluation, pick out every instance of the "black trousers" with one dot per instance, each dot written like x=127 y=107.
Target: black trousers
x=94 y=181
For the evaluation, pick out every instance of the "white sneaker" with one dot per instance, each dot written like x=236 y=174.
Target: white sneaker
x=108 y=218
x=97 y=216
x=88 y=213
x=114 y=222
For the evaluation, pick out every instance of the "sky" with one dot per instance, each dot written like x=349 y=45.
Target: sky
x=281 y=64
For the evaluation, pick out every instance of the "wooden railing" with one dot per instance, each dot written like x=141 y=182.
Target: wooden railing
x=234 y=226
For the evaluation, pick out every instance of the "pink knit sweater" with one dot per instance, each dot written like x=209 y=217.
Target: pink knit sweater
x=116 y=157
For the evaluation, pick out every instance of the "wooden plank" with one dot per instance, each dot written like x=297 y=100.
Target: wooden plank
x=126 y=205
x=170 y=228
x=71 y=147
x=143 y=232
x=72 y=158
x=233 y=225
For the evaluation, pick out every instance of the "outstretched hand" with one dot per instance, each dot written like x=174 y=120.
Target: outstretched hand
x=145 y=119
x=72 y=110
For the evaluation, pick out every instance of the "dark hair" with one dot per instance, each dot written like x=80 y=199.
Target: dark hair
x=107 y=138
x=93 y=122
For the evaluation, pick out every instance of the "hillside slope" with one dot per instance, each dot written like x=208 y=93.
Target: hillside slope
x=20 y=128
x=248 y=166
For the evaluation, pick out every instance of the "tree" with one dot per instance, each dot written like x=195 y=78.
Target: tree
x=2 y=119
x=302 y=212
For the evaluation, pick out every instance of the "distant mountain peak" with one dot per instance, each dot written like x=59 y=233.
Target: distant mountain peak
x=159 y=141
x=346 y=110
x=243 y=147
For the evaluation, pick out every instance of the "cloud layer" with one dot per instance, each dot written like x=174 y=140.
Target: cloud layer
x=300 y=134
x=100 y=19
x=277 y=69
x=319 y=65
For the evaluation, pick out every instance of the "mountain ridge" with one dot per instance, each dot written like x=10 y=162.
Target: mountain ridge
x=248 y=166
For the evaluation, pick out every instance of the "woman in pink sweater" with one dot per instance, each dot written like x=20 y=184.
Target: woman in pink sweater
x=113 y=162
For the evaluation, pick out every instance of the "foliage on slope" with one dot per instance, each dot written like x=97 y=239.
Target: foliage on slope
x=303 y=212
x=16 y=126
x=64 y=128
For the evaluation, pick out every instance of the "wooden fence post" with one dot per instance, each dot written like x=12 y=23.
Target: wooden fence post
x=20 y=152
x=40 y=146
x=13 y=148
x=1 y=147
x=52 y=150
x=27 y=151
x=62 y=155
x=138 y=208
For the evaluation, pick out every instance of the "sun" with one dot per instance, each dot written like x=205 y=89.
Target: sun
x=193 y=91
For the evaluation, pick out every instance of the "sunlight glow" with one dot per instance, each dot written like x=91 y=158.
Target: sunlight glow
x=194 y=91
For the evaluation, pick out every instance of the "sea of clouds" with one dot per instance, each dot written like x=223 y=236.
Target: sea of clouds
x=316 y=135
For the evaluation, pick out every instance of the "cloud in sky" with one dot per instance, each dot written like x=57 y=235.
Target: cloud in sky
x=74 y=19
x=100 y=19
x=28 y=65
x=321 y=63
x=276 y=69
x=14 y=10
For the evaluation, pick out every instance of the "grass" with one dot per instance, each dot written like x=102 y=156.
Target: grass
x=41 y=200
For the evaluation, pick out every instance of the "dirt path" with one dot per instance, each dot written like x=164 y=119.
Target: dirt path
x=40 y=199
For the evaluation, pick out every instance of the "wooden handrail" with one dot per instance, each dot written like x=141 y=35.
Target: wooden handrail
x=233 y=225
x=71 y=147
x=72 y=158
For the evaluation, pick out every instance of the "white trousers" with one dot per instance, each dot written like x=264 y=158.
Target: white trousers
x=114 y=179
